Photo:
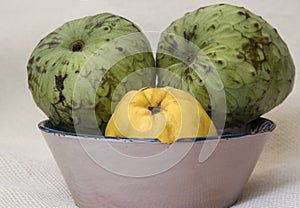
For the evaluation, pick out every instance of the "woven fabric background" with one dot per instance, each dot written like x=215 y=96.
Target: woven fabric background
x=29 y=176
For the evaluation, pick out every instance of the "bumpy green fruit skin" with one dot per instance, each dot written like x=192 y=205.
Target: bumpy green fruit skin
x=253 y=62
x=73 y=72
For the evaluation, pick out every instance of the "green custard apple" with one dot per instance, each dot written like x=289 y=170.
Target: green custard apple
x=77 y=72
x=251 y=60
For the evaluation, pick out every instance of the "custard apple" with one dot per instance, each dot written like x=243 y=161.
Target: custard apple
x=75 y=71
x=251 y=59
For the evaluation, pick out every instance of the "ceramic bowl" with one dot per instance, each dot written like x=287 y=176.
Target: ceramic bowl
x=132 y=173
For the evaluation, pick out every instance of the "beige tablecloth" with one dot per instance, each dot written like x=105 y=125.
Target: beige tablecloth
x=29 y=176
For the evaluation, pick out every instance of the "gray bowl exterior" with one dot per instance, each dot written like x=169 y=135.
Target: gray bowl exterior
x=215 y=183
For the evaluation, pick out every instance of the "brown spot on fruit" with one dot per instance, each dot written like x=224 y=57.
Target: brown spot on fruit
x=31 y=60
x=59 y=82
x=241 y=56
x=99 y=24
x=119 y=49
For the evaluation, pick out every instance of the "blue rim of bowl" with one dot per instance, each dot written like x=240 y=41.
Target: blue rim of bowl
x=258 y=126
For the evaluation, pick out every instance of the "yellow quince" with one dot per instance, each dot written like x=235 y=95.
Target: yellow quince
x=164 y=113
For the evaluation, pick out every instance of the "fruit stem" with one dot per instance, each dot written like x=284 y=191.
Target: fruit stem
x=77 y=46
x=154 y=110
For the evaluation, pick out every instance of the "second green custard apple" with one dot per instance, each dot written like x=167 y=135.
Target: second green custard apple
x=252 y=61
x=80 y=69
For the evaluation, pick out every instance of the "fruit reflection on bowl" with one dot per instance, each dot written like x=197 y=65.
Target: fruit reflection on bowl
x=124 y=172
